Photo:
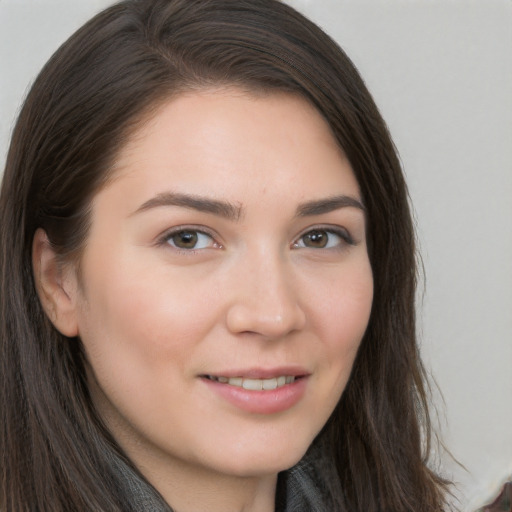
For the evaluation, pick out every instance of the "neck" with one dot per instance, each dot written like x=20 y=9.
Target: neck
x=189 y=489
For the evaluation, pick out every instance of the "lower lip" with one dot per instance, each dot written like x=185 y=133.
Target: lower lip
x=260 y=402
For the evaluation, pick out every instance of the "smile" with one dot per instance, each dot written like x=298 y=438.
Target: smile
x=260 y=391
x=255 y=384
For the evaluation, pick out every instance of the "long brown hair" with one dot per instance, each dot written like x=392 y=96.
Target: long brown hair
x=87 y=100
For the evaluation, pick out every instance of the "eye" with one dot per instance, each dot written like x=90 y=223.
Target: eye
x=190 y=239
x=324 y=239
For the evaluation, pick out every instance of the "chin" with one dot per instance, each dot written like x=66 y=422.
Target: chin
x=260 y=460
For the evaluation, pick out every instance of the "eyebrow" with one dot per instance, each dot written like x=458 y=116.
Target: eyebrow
x=203 y=204
x=234 y=212
x=330 y=204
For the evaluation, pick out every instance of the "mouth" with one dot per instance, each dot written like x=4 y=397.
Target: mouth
x=259 y=390
x=251 y=384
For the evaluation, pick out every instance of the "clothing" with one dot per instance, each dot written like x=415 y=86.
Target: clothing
x=296 y=490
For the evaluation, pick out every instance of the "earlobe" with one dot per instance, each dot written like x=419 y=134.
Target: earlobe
x=56 y=285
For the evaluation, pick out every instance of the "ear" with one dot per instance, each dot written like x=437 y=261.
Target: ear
x=56 y=285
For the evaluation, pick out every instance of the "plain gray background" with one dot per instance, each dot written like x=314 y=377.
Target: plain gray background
x=441 y=73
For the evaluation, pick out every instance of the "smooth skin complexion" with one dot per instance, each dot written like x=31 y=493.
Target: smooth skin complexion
x=227 y=252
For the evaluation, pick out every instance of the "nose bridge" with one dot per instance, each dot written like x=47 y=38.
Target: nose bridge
x=265 y=301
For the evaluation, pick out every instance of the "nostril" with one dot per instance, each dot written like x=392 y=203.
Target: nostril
x=255 y=320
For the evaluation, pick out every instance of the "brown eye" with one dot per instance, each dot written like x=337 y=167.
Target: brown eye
x=335 y=238
x=316 y=239
x=185 y=239
x=189 y=239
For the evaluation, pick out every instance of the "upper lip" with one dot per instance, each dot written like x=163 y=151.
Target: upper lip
x=261 y=373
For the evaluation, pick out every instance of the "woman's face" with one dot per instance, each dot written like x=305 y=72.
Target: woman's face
x=225 y=285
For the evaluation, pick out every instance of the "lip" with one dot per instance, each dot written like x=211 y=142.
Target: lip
x=262 y=373
x=265 y=401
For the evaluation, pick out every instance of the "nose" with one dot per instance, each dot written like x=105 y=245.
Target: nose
x=265 y=300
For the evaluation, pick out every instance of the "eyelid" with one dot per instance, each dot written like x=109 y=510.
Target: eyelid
x=339 y=231
x=163 y=239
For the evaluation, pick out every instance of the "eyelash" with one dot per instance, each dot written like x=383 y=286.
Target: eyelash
x=168 y=235
x=343 y=234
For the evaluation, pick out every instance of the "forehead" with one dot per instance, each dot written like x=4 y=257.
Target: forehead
x=218 y=140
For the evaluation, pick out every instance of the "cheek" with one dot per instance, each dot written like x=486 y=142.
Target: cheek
x=140 y=336
x=343 y=304
x=146 y=316
x=342 y=308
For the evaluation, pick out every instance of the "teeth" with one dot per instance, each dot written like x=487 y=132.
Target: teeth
x=236 y=381
x=270 y=384
x=252 y=384
x=255 y=384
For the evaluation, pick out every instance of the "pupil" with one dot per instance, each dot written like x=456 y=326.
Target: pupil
x=316 y=239
x=185 y=239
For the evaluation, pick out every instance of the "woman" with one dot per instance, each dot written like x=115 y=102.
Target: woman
x=208 y=275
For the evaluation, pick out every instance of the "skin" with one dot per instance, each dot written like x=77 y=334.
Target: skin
x=257 y=291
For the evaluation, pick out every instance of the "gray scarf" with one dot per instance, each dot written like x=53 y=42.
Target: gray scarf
x=296 y=490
